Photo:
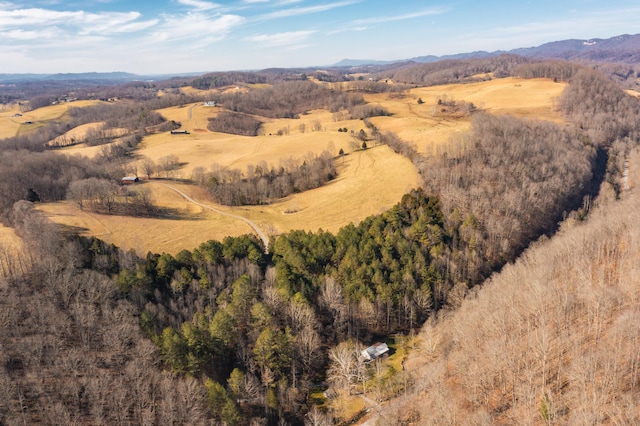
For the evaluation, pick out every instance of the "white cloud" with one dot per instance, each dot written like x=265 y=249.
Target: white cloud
x=81 y=21
x=199 y=4
x=281 y=39
x=195 y=26
x=297 y=11
x=5 y=5
x=382 y=19
x=344 y=30
x=24 y=35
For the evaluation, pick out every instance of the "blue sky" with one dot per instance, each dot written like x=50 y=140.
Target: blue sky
x=175 y=36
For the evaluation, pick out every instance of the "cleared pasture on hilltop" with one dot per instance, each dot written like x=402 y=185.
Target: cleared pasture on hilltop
x=9 y=122
x=202 y=148
x=75 y=135
x=83 y=149
x=423 y=126
x=12 y=125
x=191 y=226
x=369 y=181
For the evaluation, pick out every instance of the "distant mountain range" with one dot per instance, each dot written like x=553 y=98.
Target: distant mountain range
x=92 y=77
x=623 y=48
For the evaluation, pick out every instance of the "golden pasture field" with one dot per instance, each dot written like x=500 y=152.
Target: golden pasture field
x=82 y=149
x=420 y=125
x=9 y=123
x=12 y=125
x=193 y=226
x=77 y=134
x=369 y=181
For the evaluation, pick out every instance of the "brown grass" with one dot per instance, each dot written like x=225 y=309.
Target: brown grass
x=77 y=134
x=11 y=126
x=417 y=123
x=369 y=181
x=169 y=235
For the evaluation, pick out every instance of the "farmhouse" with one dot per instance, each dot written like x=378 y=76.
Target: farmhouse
x=128 y=180
x=210 y=103
x=374 y=351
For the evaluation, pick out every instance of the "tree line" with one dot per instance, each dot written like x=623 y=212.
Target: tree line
x=261 y=184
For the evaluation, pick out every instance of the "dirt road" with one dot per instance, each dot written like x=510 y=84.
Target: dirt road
x=252 y=224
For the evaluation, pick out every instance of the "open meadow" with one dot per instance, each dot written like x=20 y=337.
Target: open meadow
x=368 y=182
x=424 y=126
x=13 y=122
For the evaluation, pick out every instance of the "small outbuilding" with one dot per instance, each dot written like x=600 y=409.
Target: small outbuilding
x=374 y=351
x=128 y=180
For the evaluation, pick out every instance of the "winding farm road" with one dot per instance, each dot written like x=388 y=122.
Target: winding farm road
x=252 y=224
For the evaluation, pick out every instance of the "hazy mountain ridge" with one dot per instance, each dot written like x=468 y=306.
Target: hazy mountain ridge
x=623 y=48
x=99 y=77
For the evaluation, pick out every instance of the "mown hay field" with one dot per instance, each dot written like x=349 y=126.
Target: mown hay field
x=190 y=226
x=369 y=181
x=9 y=121
x=12 y=125
x=425 y=127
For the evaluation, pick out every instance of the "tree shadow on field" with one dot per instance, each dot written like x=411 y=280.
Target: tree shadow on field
x=70 y=230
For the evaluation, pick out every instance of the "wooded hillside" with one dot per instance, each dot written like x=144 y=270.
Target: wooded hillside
x=552 y=339
x=237 y=333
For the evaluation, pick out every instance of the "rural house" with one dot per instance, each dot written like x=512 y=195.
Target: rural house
x=374 y=351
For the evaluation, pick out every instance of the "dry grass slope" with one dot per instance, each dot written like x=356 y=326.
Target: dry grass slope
x=420 y=125
x=12 y=125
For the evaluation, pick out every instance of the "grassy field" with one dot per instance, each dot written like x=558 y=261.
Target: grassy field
x=369 y=181
x=187 y=230
x=77 y=134
x=12 y=125
x=419 y=125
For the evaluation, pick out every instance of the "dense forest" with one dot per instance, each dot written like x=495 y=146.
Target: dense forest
x=233 y=333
